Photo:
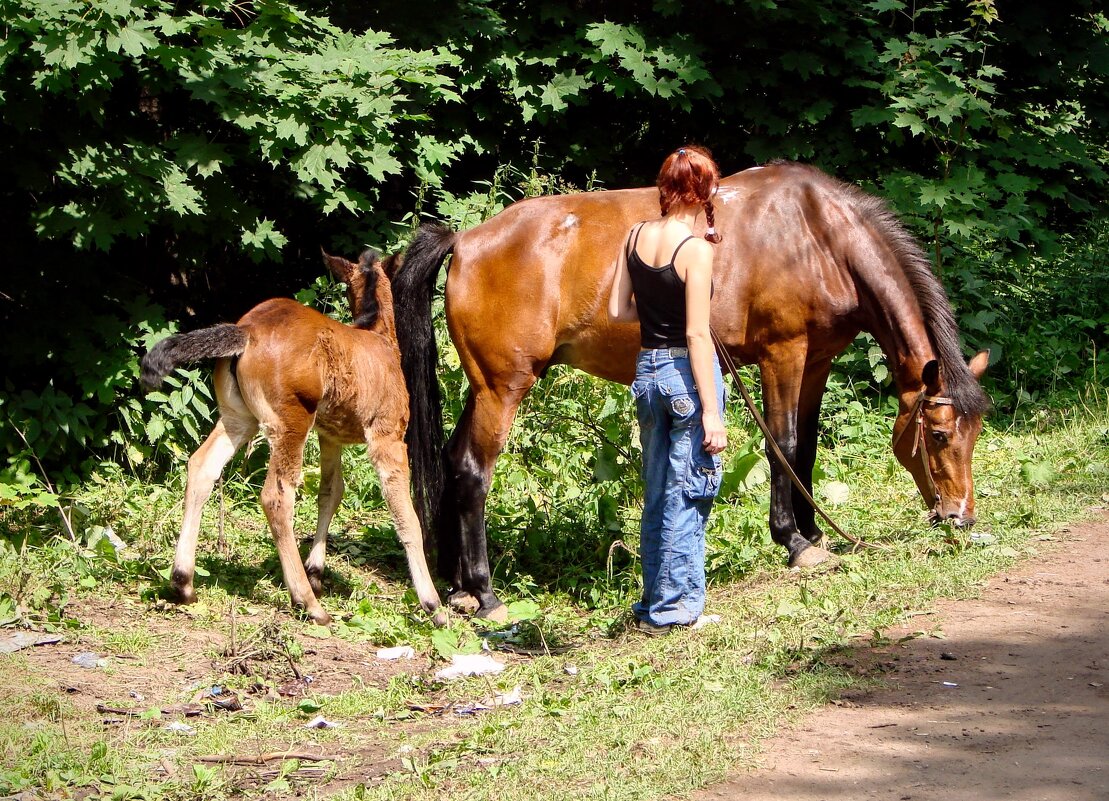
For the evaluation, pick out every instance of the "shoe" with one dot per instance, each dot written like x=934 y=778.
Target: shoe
x=646 y=627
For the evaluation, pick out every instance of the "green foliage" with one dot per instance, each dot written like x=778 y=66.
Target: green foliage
x=992 y=164
x=171 y=111
x=164 y=166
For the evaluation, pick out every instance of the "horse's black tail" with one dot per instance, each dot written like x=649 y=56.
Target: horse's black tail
x=217 y=342
x=413 y=287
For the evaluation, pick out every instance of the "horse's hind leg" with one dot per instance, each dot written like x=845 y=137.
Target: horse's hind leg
x=287 y=435
x=232 y=431
x=331 y=493
x=471 y=455
x=389 y=455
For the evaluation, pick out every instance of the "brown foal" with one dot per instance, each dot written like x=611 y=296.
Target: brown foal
x=286 y=369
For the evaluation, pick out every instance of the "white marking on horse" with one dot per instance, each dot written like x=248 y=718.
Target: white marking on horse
x=570 y=221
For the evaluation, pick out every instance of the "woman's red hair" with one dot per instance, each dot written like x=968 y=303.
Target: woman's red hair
x=689 y=176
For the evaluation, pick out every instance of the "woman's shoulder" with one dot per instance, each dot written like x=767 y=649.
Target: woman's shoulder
x=695 y=249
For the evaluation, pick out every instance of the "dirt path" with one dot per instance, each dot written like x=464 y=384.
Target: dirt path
x=1020 y=713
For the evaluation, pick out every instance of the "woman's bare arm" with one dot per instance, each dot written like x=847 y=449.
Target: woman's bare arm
x=697 y=257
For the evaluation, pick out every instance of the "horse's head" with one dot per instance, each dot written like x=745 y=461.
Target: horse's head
x=934 y=438
x=368 y=290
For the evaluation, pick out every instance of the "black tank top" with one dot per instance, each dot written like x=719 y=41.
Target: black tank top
x=659 y=298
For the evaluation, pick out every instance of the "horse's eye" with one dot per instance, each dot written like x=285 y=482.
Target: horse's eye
x=940 y=437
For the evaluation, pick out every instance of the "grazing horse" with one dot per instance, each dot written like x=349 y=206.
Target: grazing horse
x=286 y=368
x=806 y=263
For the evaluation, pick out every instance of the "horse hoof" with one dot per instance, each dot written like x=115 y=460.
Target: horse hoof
x=496 y=614
x=812 y=557
x=182 y=595
x=316 y=583
x=463 y=603
x=320 y=617
x=440 y=619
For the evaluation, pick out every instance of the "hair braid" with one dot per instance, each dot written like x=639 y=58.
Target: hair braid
x=710 y=217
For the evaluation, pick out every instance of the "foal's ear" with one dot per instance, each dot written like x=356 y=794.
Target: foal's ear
x=339 y=267
x=930 y=375
x=979 y=363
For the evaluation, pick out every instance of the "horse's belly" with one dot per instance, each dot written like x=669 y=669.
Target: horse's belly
x=340 y=422
x=608 y=352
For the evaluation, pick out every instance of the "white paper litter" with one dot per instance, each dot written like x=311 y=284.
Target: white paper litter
x=506 y=699
x=397 y=652
x=88 y=659
x=513 y=698
x=704 y=620
x=571 y=670
x=177 y=727
x=18 y=640
x=320 y=722
x=469 y=665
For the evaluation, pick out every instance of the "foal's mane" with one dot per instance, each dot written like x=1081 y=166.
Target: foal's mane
x=370 y=310
x=939 y=320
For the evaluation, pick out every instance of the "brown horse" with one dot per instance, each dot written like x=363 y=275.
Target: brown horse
x=286 y=368
x=806 y=263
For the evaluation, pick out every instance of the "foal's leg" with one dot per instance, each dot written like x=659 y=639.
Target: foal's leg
x=232 y=431
x=389 y=455
x=470 y=457
x=287 y=436
x=331 y=493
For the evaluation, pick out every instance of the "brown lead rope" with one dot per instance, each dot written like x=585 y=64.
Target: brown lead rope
x=726 y=360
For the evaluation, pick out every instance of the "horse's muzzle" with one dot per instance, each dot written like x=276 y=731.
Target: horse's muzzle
x=952 y=518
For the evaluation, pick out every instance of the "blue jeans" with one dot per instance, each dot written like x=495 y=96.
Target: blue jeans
x=680 y=480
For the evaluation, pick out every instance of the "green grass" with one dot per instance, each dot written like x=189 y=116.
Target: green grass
x=606 y=714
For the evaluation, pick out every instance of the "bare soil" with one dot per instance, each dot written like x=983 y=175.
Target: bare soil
x=1013 y=703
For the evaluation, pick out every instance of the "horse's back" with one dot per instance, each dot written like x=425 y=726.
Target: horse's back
x=530 y=286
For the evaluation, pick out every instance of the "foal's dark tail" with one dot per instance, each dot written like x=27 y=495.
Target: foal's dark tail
x=217 y=342
x=413 y=287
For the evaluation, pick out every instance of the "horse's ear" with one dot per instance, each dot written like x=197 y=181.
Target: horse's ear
x=930 y=375
x=979 y=363
x=339 y=267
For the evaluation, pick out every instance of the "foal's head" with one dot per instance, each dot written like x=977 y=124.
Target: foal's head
x=368 y=290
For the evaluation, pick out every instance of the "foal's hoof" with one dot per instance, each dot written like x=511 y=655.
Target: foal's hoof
x=315 y=581
x=463 y=603
x=440 y=619
x=181 y=595
x=319 y=617
x=813 y=557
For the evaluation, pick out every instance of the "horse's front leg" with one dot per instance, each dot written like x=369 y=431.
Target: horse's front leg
x=781 y=384
x=813 y=384
x=390 y=458
x=470 y=457
x=330 y=495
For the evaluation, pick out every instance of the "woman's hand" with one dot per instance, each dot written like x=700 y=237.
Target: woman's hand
x=716 y=436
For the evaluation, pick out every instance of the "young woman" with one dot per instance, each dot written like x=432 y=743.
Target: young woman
x=663 y=279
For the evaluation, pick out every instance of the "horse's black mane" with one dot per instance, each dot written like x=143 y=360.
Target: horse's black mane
x=939 y=320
